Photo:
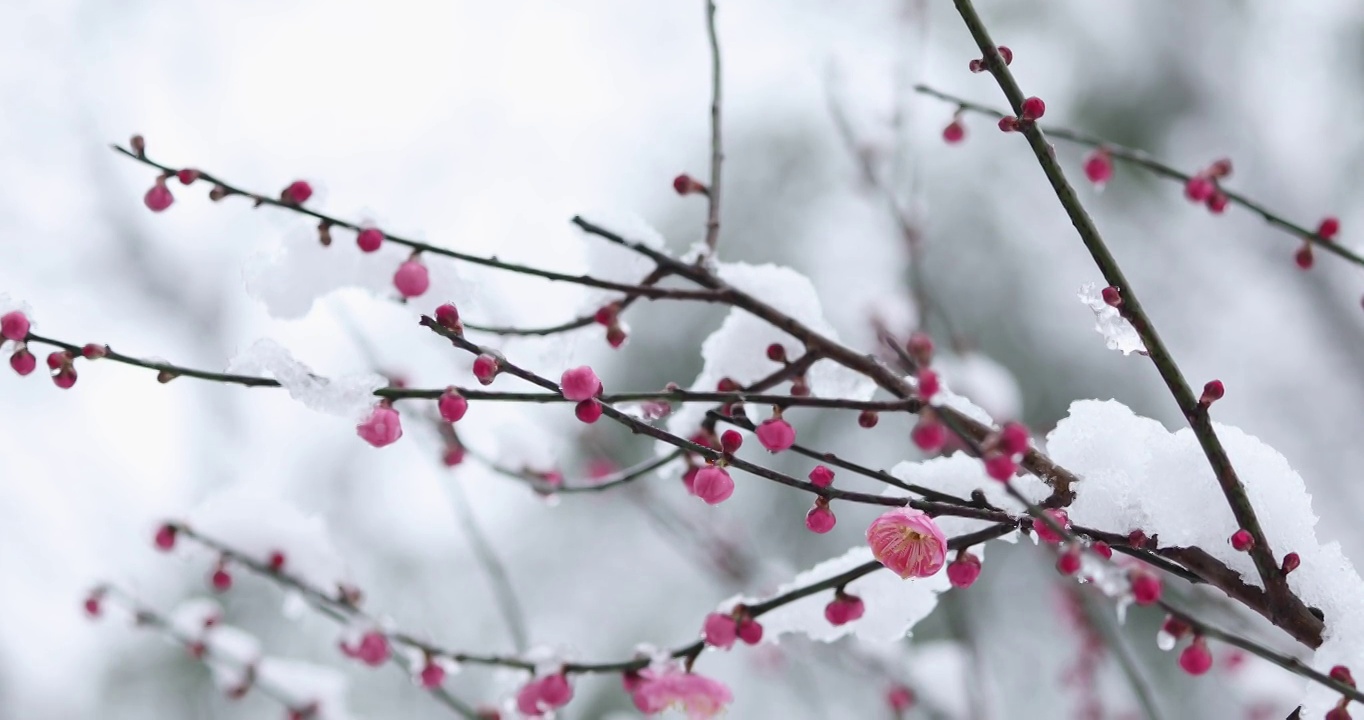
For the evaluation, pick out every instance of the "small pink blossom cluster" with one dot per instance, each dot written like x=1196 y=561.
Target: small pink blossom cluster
x=1205 y=186
x=721 y=630
x=371 y=648
x=608 y=316
x=928 y=434
x=1002 y=450
x=711 y=482
x=671 y=688
x=581 y=385
x=543 y=695
x=1032 y=110
x=1326 y=231
x=820 y=519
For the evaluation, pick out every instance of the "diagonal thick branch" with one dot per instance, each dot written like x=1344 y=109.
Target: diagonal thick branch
x=1283 y=604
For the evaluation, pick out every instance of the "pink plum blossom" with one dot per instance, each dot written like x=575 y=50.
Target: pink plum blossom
x=382 y=427
x=908 y=542
x=698 y=696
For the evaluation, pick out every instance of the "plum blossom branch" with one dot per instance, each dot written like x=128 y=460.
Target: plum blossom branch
x=1034 y=461
x=227 y=190
x=344 y=608
x=1145 y=160
x=1283 y=603
x=145 y=617
x=203 y=651
x=644 y=428
x=170 y=371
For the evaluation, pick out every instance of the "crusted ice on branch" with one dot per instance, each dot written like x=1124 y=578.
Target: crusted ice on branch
x=350 y=396
x=1135 y=474
x=1117 y=331
x=986 y=382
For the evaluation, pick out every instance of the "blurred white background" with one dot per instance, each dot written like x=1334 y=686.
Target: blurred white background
x=485 y=127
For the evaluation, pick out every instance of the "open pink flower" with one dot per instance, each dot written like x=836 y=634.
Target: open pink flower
x=908 y=542
x=382 y=427
x=579 y=384
x=698 y=696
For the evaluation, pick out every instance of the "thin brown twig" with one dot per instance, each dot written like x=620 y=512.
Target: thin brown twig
x=1143 y=159
x=717 y=155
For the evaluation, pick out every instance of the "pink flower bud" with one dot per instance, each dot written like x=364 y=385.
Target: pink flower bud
x=580 y=383
x=1291 y=561
x=297 y=192
x=1217 y=202
x=1199 y=188
x=720 y=631
x=1146 y=586
x=844 y=609
x=588 y=411
x=276 y=561
x=928 y=384
x=412 y=278
x=1212 y=392
x=159 y=197
x=14 y=326
x=868 y=419
x=776 y=434
x=1242 y=541
x=1102 y=549
x=1044 y=530
x=1033 y=108
x=928 y=434
x=1112 y=297
x=776 y=353
x=820 y=519
x=452 y=405
x=432 y=675
x=1303 y=257
x=687 y=185
x=713 y=485
x=1000 y=467
x=908 y=542
x=382 y=427
x=447 y=316
x=1196 y=659
x=221 y=579
x=1013 y=439
x=1069 y=562
x=1099 y=167
x=821 y=476
x=485 y=368
x=187 y=176
x=23 y=362
x=165 y=537
x=1006 y=54
x=900 y=698
x=750 y=631
x=1328 y=228
x=731 y=441
x=963 y=571
x=369 y=239
x=920 y=347
x=1008 y=123
x=954 y=133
